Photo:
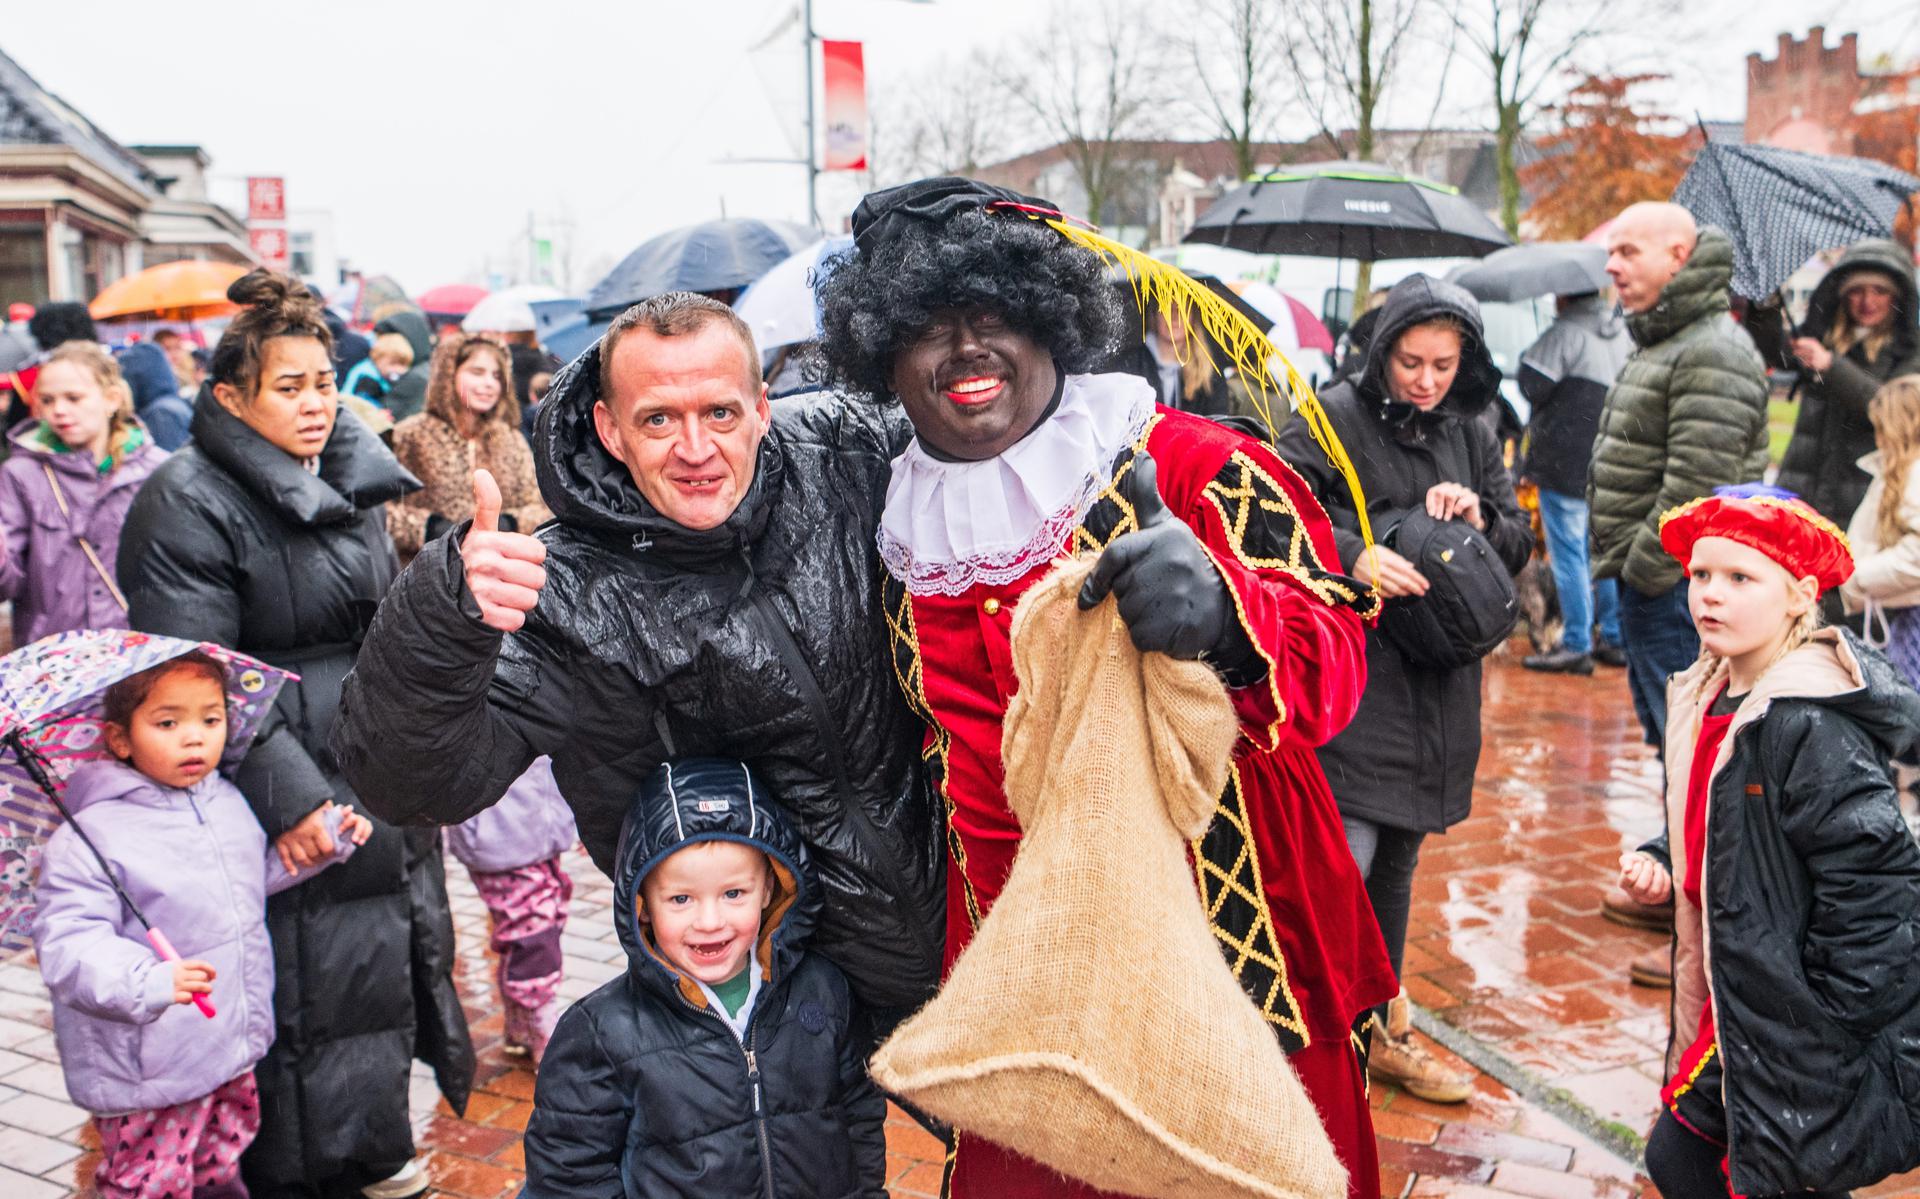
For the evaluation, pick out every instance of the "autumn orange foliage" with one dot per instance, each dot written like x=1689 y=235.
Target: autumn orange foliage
x=1607 y=153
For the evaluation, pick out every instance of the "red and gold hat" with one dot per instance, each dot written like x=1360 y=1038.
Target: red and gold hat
x=1772 y=520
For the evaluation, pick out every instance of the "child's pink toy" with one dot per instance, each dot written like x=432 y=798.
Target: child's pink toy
x=168 y=953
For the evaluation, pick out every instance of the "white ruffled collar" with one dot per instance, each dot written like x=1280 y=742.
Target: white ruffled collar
x=949 y=526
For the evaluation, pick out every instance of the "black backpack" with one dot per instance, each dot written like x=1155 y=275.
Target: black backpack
x=1470 y=605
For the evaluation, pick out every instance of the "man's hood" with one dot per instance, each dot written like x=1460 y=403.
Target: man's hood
x=1696 y=291
x=588 y=488
x=414 y=327
x=711 y=799
x=1888 y=258
x=1414 y=301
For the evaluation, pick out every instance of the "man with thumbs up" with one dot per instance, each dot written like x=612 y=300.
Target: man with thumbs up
x=709 y=586
x=981 y=320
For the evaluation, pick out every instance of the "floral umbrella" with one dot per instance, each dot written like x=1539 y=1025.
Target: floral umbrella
x=50 y=724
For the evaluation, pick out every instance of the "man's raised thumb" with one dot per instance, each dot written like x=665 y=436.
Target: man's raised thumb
x=486 y=503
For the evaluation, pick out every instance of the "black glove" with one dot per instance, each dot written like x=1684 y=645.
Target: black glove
x=1169 y=592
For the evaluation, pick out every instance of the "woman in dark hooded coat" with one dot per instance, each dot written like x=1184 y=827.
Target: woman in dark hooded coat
x=1411 y=422
x=268 y=534
x=1859 y=333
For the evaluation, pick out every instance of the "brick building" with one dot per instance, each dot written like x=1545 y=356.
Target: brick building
x=1815 y=97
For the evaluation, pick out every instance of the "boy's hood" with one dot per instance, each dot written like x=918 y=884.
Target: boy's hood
x=1834 y=669
x=414 y=327
x=711 y=799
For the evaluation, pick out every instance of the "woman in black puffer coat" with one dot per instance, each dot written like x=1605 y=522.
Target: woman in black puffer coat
x=268 y=534
x=650 y=1092
x=1843 y=360
x=1404 y=767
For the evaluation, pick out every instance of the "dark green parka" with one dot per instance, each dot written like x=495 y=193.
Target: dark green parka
x=1687 y=414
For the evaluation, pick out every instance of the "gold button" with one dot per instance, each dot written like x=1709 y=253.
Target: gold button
x=992 y=606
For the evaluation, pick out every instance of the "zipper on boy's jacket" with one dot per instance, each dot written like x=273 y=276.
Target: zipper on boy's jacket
x=759 y=1117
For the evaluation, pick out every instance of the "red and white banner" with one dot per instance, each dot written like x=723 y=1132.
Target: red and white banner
x=269 y=246
x=266 y=198
x=844 y=72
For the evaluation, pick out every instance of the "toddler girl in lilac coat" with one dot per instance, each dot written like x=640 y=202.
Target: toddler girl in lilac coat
x=171 y=1091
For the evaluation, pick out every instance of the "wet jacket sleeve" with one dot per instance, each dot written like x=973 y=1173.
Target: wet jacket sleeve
x=862 y=1107
x=578 y=1130
x=86 y=962
x=1274 y=549
x=1842 y=817
x=16 y=520
x=442 y=713
x=183 y=581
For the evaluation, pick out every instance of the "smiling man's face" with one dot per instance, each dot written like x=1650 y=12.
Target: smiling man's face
x=686 y=417
x=971 y=384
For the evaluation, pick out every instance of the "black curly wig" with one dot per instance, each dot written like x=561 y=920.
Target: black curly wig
x=1041 y=284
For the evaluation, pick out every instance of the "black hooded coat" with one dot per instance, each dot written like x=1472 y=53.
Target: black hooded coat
x=233 y=541
x=1832 y=433
x=408 y=395
x=762 y=639
x=1407 y=758
x=645 y=1091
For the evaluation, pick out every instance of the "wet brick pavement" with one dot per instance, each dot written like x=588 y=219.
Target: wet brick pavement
x=1507 y=953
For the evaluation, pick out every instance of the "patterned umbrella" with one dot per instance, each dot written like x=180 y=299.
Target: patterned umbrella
x=1781 y=207
x=50 y=723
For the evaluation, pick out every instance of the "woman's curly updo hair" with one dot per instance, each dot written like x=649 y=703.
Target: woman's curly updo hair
x=272 y=305
x=1042 y=285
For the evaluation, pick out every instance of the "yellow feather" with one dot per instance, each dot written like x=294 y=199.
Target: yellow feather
x=1167 y=288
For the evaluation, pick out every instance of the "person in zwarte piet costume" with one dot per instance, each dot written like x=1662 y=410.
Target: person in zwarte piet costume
x=979 y=311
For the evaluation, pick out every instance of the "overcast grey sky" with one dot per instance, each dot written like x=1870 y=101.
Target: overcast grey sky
x=431 y=130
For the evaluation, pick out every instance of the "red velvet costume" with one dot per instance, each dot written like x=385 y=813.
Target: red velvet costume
x=1292 y=917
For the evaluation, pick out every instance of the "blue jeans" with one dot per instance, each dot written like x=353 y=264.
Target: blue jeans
x=1582 y=601
x=1660 y=642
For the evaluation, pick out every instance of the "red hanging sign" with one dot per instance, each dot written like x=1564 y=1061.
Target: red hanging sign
x=266 y=198
x=269 y=246
x=845 y=109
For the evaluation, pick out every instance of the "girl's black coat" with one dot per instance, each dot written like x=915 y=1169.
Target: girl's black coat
x=645 y=1094
x=1812 y=907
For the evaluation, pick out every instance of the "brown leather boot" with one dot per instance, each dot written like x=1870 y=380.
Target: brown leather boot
x=1654 y=968
x=1397 y=1058
x=1616 y=905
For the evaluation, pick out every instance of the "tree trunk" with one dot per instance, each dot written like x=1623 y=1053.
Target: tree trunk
x=1506 y=138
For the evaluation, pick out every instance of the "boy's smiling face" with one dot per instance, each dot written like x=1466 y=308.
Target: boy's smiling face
x=704 y=905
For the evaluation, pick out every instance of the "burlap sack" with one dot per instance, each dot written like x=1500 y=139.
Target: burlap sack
x=1093 y=1025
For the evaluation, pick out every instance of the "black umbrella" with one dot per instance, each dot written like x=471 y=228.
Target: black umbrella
x=712 y=256
x=1546 y=268
x=1781 y=207
x=1358 y=210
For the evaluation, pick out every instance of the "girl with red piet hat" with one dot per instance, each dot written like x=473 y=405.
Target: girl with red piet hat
x=1796 y=998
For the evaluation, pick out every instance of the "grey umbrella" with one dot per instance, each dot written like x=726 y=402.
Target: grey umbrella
x=1781 y=207
x=1547 y=268
x=1358 y=210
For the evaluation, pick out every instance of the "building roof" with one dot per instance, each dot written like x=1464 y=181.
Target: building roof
x=33 y=116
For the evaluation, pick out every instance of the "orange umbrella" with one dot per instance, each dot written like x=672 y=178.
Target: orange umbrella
x=172 y=291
